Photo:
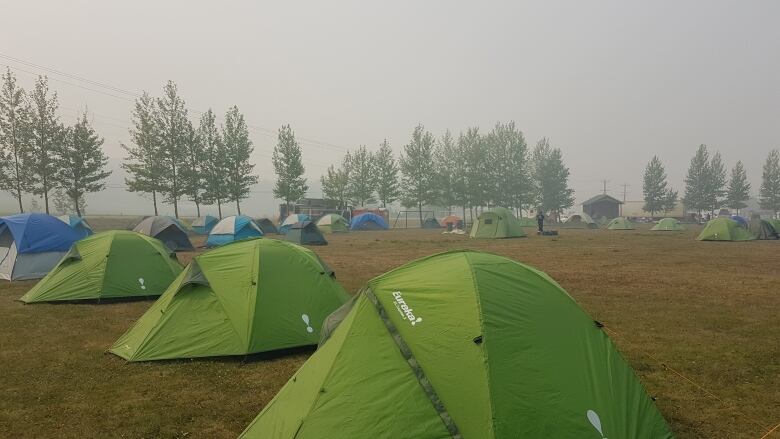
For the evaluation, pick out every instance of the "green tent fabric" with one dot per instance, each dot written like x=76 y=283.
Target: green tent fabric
x=579 y=221
x=305 y=233
x=248 y=296
x=775 y=223
x=109 y=265
x=527 y=222
x=762 y=229
x=620 y=223
x=462 y=345
x=724 y=229
x=668 y=225
x=332 y=223
x=497 y=223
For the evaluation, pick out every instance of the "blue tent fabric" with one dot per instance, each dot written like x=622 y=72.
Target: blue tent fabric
x=38 y=233
x=291 y=220
x=367 y=221
x=242 y=227
x=77 y=223
x=740 y=220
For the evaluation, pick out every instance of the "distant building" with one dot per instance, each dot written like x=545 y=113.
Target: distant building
x=602 y=205
x=635 y=209
x=314 y=207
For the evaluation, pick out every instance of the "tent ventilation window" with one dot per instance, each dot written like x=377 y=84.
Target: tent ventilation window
x=478 y=339
x=488 y=221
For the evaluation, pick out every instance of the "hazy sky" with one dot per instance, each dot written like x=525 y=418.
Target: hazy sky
x=609 y=82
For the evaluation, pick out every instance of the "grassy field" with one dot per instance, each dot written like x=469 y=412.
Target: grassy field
x=707 y=310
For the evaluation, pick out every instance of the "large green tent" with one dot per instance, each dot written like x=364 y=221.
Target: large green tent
x=724 y=229
x=109 y=265
x=668 y=225
x=245 y=297
x=775 y=223
x=462 y=345
x=497 y=223
x=528 y=222
x=579 y=221
x=620 y=223
x=332 y=223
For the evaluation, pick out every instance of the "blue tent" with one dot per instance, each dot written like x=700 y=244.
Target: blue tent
x=368 y=221
x=203 y=224
x=292 y=220
x=232 y=229
x=78 y=223
x=31 y=244
x=742 y=221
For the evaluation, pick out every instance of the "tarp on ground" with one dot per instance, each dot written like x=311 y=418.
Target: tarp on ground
x=249 y=296
x=462 y=345
x=109 y=265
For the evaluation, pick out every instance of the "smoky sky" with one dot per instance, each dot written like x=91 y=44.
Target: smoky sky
x=611 y=83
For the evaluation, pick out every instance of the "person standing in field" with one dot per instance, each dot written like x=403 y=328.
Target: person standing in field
x=540 y=221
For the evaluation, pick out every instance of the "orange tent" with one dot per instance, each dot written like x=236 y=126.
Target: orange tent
x=452 y=219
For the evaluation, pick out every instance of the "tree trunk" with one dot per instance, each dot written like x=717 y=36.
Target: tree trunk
x=154 y=201
x=78 y=211
x=238 y=206
x=219 y=207
x=197 y=207
x=45 y=196
x=19 y=197
x=419 y=207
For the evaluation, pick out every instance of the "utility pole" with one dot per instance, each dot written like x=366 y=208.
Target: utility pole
x=625 y=191
x=604 y=183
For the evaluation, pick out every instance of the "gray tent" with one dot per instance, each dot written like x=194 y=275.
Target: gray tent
x=762 y=229
x=267 y=226
x=166 y=230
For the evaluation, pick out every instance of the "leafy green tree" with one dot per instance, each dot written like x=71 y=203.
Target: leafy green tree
x=14 y=150
x=64 y=205
x=142 y=163
x=386 y=169
x=238 y=148
x=81 y=166
x=46 y=138
x=335 y=184
x=738 y=189
x=419 y=174
x=716 y=183
x=445 y=163
x=654 y=187
x=697 y=181
x=472 y=152
x=214 y=164
x=193 y=164
x=290 y=184
x=551 y=179
x=362 y=177
x=769 y=194
x=172 y=126
x=508 y=178
x=670 y=200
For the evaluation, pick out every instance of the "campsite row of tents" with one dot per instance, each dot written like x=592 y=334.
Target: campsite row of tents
x=426 y=350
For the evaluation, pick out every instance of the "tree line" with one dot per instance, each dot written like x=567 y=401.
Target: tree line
x=40 y=155
x=708 y=188
x=470 y=172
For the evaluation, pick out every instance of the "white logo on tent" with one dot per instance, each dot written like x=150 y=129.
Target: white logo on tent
x=403 y=308
x=594 y=419
x=305 y=318
x=141 y=281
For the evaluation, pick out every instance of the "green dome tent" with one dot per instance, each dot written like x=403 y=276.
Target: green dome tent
x=248 y=296
x=305 y=233
x=724 y=229
x=620 y=223
x=462 y=344
x=775 y=223
x=109 y=265
x=528 y=222
x=497 y=223
x=668 y=225
x=579 y=221
x=762 y=229
x=333 y=222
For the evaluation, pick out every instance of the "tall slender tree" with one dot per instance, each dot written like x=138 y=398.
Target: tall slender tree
x=655 y=188
x=419 y=174
x=697 y=181
x=738 y=189
x=290 y=183
x=14 y=149
x=362 y=177
x=445 y=164
x=46 y=138
x=142 y=163
x=716 y=183
x=386 y=169
x=193 y=166
x=335 y=184
x=551 y=179
x=508 y=174
x=214 y=165
x=81 y=166
x=769 y=195
x=477 y=166
x=172 y=125
x=238 y=148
